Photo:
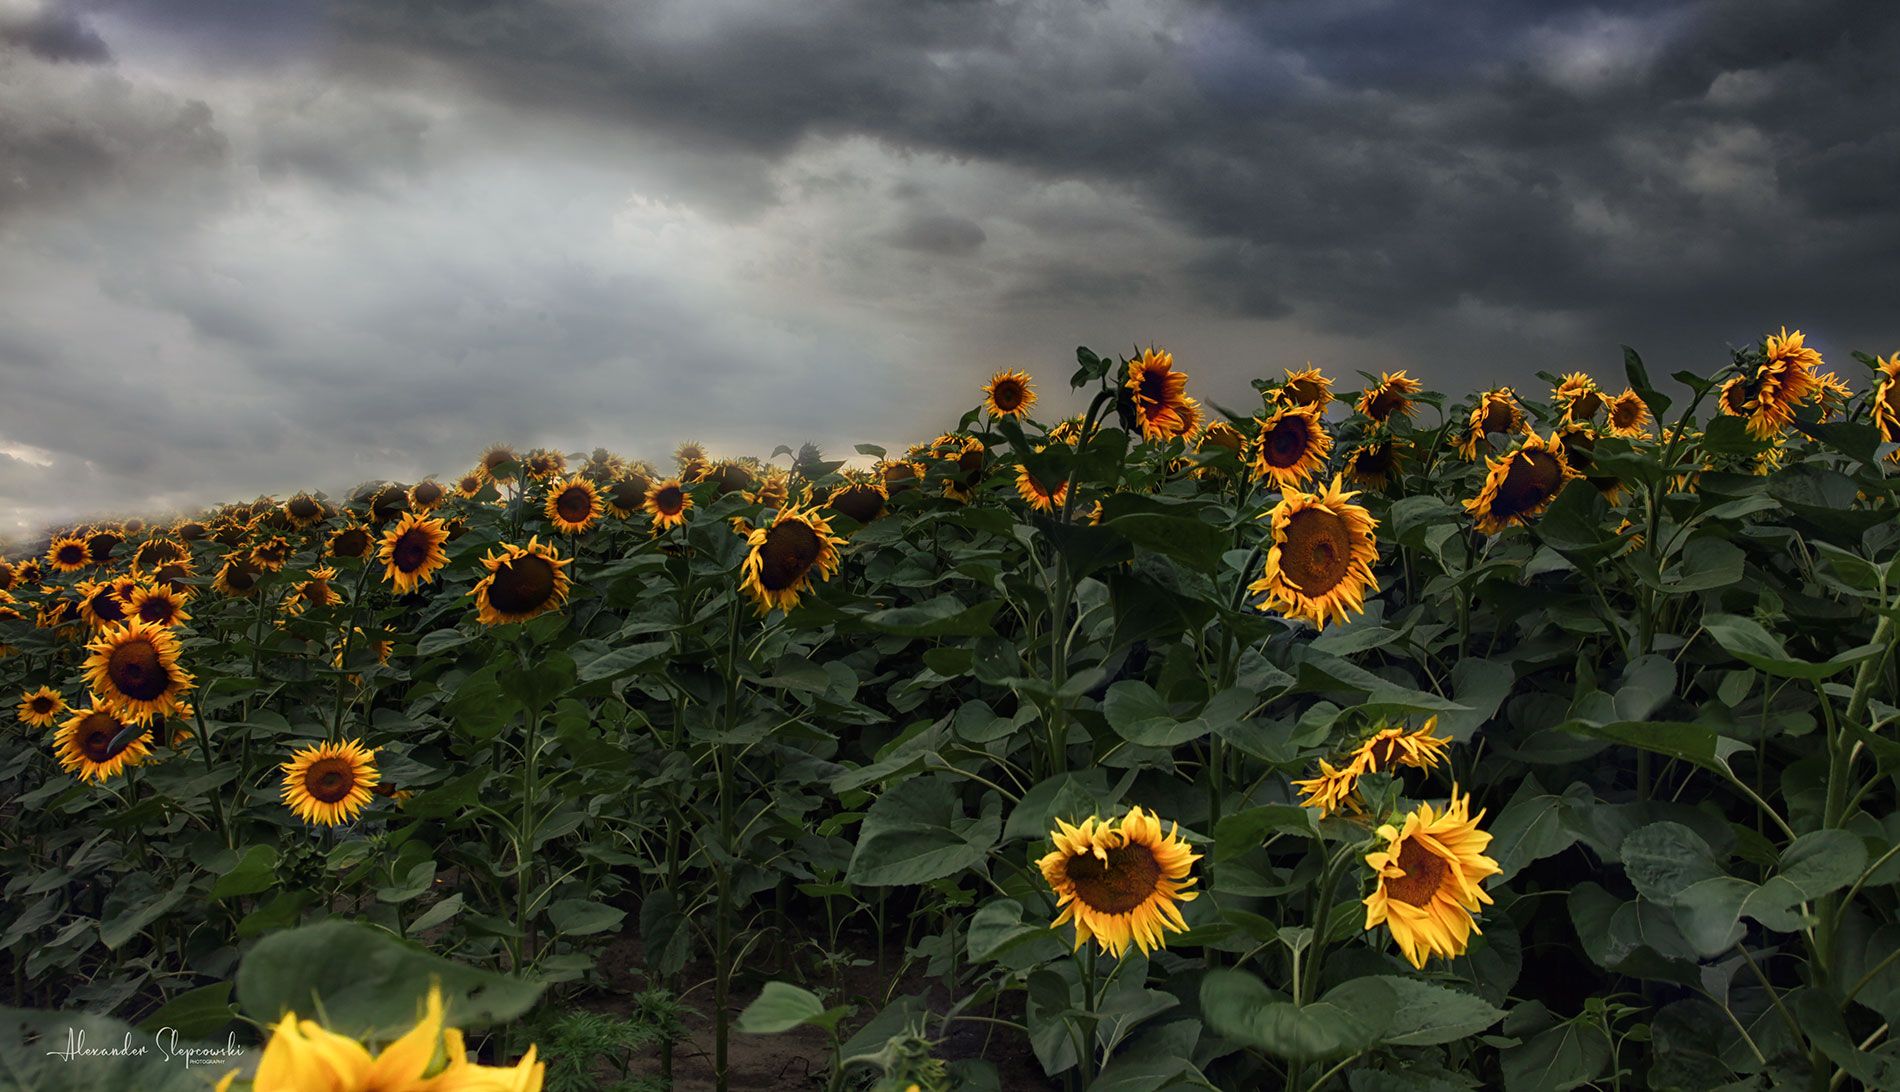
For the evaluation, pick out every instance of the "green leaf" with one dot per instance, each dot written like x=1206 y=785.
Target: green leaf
x=1427 y=1015
x=1677 y=739
x=194 y=1014
x=1567 y=1056
x=584 y=917
x=129 y=917
x=780 y=1007
x=1242 y=832
x=255 y=871
x=1349 y=1018
x=1533 y=826
x=1196 y=543
x=944 y=616
x=1662 y=859
x=1747 y=641
x=624 y=660
x=918 y=832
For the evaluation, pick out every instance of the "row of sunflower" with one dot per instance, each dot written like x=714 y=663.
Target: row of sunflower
x=1271 y=710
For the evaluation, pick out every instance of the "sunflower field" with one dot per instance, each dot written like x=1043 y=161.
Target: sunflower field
x=1360 y=738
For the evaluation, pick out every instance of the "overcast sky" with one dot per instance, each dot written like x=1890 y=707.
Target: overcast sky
x=255 y=246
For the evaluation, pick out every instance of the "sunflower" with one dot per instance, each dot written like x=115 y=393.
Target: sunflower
x=272 y=554
x=1008 y=394
x=691 y=458
x=1390 y=396
x=352 y=541
x=861 y=498
x=784 y=556
x=191 y=530
x=628 y=494
x=1375 y=462
x=27 y=573
x=1332 y=790
x=1120 y=883
x=1307 y=387
x=100 y=544
x=1320 y=564
x=132 y=525
x=668 y=502
x=898 y=474
x=1291 y=447
x=522 y=583
x=1497 y=411
x=603 y=466
x=1069 y=430
x=302 y=1054
x=159 y=605
x=573 y=506
x=387 y=503
x=412 y=552
x=313 y=592
x=1629 y=416
x=543 y=465
x=134 y=671
x=497 y=464
x=730 y=476
x=471 y=484
x=1578 y=396
x=426 y=495
x=775 y=490
x=966 y=458
x=1158 y=395
x=1887 y=399
x=41 y=708
x=1784 y=379
x=85 y=747
x=157 y=552
x=7 y=575
x=1428 y=878
x=330 y=783
x=54 y=612
x=1041 y=497
x=303 y=510
x=1831 y=394
x=1520 y=484
x=1398 y=745
x=67 y=554
x=99 y=604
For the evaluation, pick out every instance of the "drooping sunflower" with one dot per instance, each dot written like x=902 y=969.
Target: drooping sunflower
x=67 y=554
x=544 y=465
x=303 y=510
x=8 y=575
x=316 y=591
x=1783 y=380
x=412 y=552
x=1307 y=387
x=191 y=530
x=785 y=555
x=1121 y=883
x=352 y=541
x=27 y=573
x=1375 y=462
x=668 y=502
x=1158 y=395
x=1831 y=393
x=1578 y=396
x=1629 y=415
x=160 y=605
x=85 y=747
x=1520 y=484
x=1428 y=880
x=388 y=502
x=1291 y=447
x=497 y=464
x=898 y=474
x=1887 y=399
x=692 y=460
x=962 y=462
x=523 y=582
x=157 y=552
x=41 y=708
x=1008 y=394
x=1332 y=789
x=100 y=605
x=573 y=506
x=427 y=495
x=100 y=544
x=1040 y=495
x=330 y=783
x=1319 y=566
x=730 y=476
x=272 y=554
x=628 y=494
x=862 y=498
x=133 y=668
x=774 y=490
x=1497 y=411
x=1390 y=397
x=1397 y=745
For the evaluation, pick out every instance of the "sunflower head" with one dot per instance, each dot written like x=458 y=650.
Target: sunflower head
x=1376 y=461
x=523 y=582
x=303 y=510
x=160 y=605
x=668 y=502
x=425 y=495
x=1120 y=881
x=1158 y=396
x=100 y=544
x=1319 y=563
x=156 y=553
x=330 y=783
x=862 y=498
x=67 y=554
x=95 y=745
x=412 y=552
x=1042 y=496
x=271 y=554
x=544 y=465
x=387 y=503
x=1291 y=446
x=1521 y=484
x=352 y=541
x=41 y=708
x=1628 y=415
x=784 y=556
x=1307 y=387
x=898 y=474
x=573 y=506
x=730 y=476
x=692 y=460
x=191 y=530
x=471 y=484
x=498 y=463
x=628 y=494
x=1578 y=396
x=1008 y=394
x=1390 y=397
x=133 y=668
x=99 y=603
x=1428 y=874
x=1886 y=398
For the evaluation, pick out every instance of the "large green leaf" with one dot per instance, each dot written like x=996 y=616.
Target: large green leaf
x=1427 y=1015
x=918 y=832
x=1349 y=1018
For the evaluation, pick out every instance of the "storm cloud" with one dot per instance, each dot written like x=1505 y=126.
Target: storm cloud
x=253 y=247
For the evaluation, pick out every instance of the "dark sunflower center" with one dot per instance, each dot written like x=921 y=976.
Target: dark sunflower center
x=1317 y=552
x=96 y=734
x=137 y=670
x=388 y=503
x=72 y=553
x=671 y=500
x=1008 y=395
x=1128 y=878
x=1425 y=872
x=1375 y=460
x=428 y=493
x=304 y=508
x=495 y=459
x=1586 y=405
x=470 y=484
x=574 y=504
x=107 y=606
x=1497 y=417
x=628 y=493
x=330 y=779
x=240 y=575
x=156 y=609
x=1287 y=444
x=969 y=468
x=521 y=585
x=1531 y=481
x=1154 y=386
x=1383 y=753
x=1623 y=414
x=1304 y=391
x=861 y=502
x=411 y=551
x=1384 y=403
x=42 y=705
x=100 y=547
x=351 y=543
x=791 y=548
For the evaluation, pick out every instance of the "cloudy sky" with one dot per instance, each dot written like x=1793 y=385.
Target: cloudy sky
x=251 y=246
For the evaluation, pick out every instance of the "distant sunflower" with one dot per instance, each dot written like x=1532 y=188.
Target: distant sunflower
x=134 y=670
x=330 y=783
x=966 y=459
x=785 y=555
x=498 y=464
x=1069 y=431
x=387 y=503
x=730 y=476
x=668 y=502
x=313 y=592
x=27 y=573
x=471 y=484
x=352 y=541
x=1390 y=397
x=1887 y=399
x=160 y=605
x=1428 y=880
x=41 y=708
x=628 y=495
x=523 y=582
x=100 y=605
x=1121 y=883
x=85 y=746
x=1292 y=446
x=861 y=498
x=1319 y=566
x=603 y=466
x=191 y=530
x=1497 y=411
x=692 y=460
x=1040 y=495
x=1307 y=387
x=1578 y=396
x=1629 y=416
x=1375 y=462
x=412 y=552
x=573 y=506
x=774 y=490
x=67 y=554
x=426 y=495
x=132 y=526
x=271 y=554
x=156 y=553
x=544 y=465
x=100 y=544
x=1831 y=394
x=303 y=510
x=8 y=577
x=1158 y=395
x=1331 y=791
x=899 y=474
x=1008 y=394
x=1520 y=484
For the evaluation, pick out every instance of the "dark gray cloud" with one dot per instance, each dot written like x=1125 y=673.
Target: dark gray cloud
x=370 y=235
